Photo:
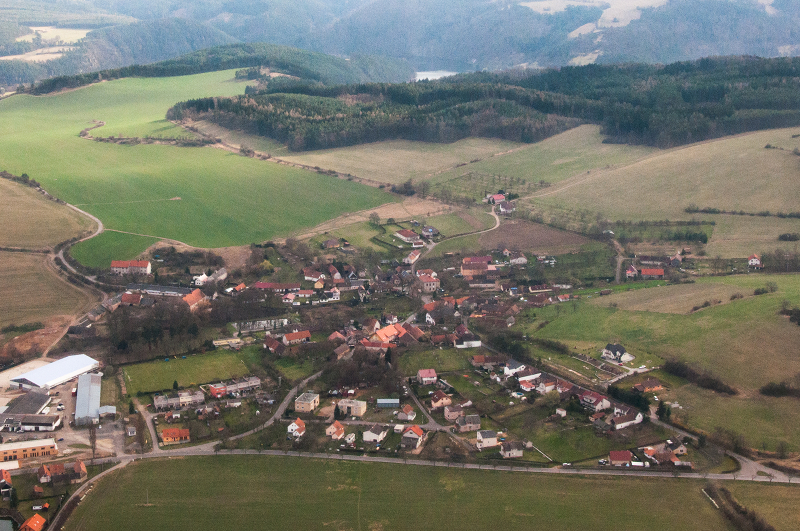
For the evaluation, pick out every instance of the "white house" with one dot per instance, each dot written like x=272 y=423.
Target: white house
x=486 y=439
x=754 y=261
x=620 y=423
x=426 y=376
x=512 y=367
x=297 y=428
x=375 y=434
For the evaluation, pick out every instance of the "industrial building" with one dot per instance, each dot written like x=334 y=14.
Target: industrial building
x=56 y=373
x=87 y=405
x=15 y=451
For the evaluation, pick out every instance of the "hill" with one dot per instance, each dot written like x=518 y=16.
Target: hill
x=661 y=106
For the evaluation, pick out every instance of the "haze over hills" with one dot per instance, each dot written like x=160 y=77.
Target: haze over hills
x=434 y=34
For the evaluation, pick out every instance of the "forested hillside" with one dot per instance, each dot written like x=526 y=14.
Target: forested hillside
x=303 y=64
x=662 y=106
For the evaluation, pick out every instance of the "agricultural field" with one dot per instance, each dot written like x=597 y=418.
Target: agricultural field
x=52 y=33
x=31 y=221
x=201 y=196
x=315 y=494
x=396 y=161
x=776 y=504
x=32 y=292
x=156 y=376
x=742 y=342
x=107 y=246
x=741 y=236
x=460 y=222
x=734 y=173
x=532 y=237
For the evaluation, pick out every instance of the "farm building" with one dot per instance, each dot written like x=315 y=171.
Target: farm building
x=87 y=405
x=352 y=408
x=56 y=373
x=30 y=422
x=390 y=403
x=31 y=403
x=131 y=267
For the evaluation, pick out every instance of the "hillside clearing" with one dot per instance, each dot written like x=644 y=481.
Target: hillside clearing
x=102 y=249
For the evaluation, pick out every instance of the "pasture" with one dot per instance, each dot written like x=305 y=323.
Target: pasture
x=460 y=222
x=156 y=376
x=316 y=494
x=741 y=236
x=107 y=246
x=742 y=342
x=32 y=292
x=204 y=197
x=733 y=173
x=447 y=359
x=31 y=221
x=396 y=161
x=52 y=33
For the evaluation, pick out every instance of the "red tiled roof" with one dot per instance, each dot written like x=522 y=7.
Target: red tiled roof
x=415 y=429
x=131 y=298
x=620 y=455
x=34 y=523
x=194 y=297
x=407 y=233
x=175 y=433
x=303 y=334
x=426 y=373
x=652 y=272
x=428 y=278
x=477 y=260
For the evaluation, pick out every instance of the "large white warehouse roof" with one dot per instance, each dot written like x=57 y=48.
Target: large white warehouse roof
x=57 y=372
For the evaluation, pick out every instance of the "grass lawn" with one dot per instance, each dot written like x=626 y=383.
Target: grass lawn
x=777 y=504
x=31 y=221
x=31 y=292
x=224 y=199
x=445 y=360
x=293 y=369
x=107 y=246
x=310 y=494
x=461 y=222
x=212 y=367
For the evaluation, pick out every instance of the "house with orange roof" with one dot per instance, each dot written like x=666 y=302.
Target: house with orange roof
x=652 y=273
x=439 y=399
x=297 y=428
x=130 y=299
x=429 y=283
x=5 y=482
x=412 y=257
x=293 y=338
x=335 y=431
x=131 y=267
x=754 y=261
x=34 y=523
x=195 y=299
x=408 y=236
x=175 y=435
x=412 y=438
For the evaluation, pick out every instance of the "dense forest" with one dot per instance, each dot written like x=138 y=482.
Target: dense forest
x=641 y=104
x=303 y=64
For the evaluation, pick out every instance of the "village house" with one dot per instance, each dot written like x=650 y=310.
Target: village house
x=616 y=353
x=307 y=402
x=297 y=428
x=303 y=336
x=412 y=438
x=429 y=232
x=631 y=272
x=195 y=300
x=333 y=243
x=243 y=385
x=512 y=367
x=273 y=345
x=622 y=422
x=34 y=523
x=131 y=267
x=175 y=435
x=518 y=259
x=426 y=376
x=452 y=412
x=406 y=235
x=375 y=434
x=352 y=408
x=342 y=352
x=312 y=275
x=506 y=207
x=754 y=262
x=412 y=257
x=335 y=431
x=407 y=414
x=650 y=385
x=58 y=473
x=486 y=439
x=652 y=273
x=217 y=276
x=594 y=401
x=429 y=283
x=468 y=423
x=5 y=482
x=511 y=449
x=278 y=287
x=130 y=299
x=620 y=457
x=439 y=399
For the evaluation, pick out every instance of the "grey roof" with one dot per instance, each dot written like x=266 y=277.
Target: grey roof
x=58 y=372
x=87 y=405
x=487 y=434
x=514 y=364
x=108 y=410
x=153 y=289
x=28 y=404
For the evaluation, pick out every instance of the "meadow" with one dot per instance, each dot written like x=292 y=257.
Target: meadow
x=733 y=173
x=31 y=221
x=32 y=292
x=204 y=197
x=155 y=376
x=447 y=359
x=742 y=342
x=107 y=246
x=315 y=494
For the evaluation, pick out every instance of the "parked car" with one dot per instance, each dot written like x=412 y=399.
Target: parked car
x=37 y=507
x=61 y=439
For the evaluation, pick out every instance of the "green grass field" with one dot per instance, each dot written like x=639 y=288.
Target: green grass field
x=311 y=494
x=107 y=246
x=31 y=292
x=743 y=342
x=31 y=221
x=202 y=196
x=194 y=370
x=461 y=222
x=445 y=360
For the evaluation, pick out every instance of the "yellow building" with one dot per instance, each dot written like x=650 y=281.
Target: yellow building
x=28 y=449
